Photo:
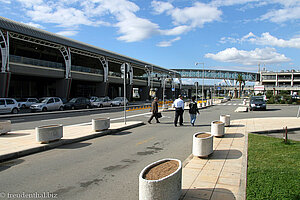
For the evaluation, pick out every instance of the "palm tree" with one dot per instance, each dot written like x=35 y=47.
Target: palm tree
x=241 y=81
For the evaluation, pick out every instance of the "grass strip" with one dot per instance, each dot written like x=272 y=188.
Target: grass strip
x=273 y=169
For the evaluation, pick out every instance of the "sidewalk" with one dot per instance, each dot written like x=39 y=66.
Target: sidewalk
x=224 y=174
x=20 y=143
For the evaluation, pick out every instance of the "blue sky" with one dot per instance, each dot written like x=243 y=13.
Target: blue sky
x=224 y=34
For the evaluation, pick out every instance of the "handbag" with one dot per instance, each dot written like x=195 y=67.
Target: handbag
x=158 y=115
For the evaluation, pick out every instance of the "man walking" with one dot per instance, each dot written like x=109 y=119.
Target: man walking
x=154 y=110
x=193 y=110
x=179 y=109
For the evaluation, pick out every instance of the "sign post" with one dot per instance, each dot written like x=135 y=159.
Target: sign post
x=124 y=69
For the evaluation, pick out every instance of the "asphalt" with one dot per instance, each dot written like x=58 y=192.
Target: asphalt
x=232 y=149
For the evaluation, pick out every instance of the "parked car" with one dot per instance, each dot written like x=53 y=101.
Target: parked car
x=77 y=103
x=92 y=99
x=257 y=102
x=8 y=105
x=47 y=104
x=119 y=101
x=26 y=102
x=102 y=102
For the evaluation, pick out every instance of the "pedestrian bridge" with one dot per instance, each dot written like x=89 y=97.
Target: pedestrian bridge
x=217 y=74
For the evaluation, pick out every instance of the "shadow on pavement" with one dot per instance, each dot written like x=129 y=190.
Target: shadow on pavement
x=8 y=135
x=9 y=164
x=272 y=109
x=237 y=125
x=207 y=193
x=225 y=154
x=121 y=133
x=74 y=146
x=233 y=135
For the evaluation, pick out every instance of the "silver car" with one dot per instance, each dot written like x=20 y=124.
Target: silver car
x=102 y=102
x=27 y=102
x=48 y=103
x=8 y=105
x=119 y=101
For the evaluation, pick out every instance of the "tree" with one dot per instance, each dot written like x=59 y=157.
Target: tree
x=241 y=81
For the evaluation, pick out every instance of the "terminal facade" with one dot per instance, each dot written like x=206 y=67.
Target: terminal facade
x=37 y=63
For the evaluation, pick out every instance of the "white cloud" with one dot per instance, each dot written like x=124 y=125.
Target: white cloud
x=265 y=39
x=160 y=7
x=168 y=43
x=232 y=55
x=282 y=15
x=220 y=3
x=34 y=25
x=67 y=33
x=5 y=1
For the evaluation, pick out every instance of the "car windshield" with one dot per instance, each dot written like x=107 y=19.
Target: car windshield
x=43 y=100
x=118 y=99
x=73 y=100
x=100 y=99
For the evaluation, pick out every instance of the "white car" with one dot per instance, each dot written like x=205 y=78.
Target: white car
x=48 y=103
x=119 y=101
x=27 y=102
x=102 y=102
x=8 y=105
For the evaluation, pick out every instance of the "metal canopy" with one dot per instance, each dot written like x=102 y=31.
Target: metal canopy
x=54 y=40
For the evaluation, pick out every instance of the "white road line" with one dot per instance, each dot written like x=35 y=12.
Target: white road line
x=234 y=104
x=131 y=116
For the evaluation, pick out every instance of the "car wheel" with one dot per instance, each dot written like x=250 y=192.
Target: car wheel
x=44 y=109
x=101 y=106
x=73 y=108
x=111 y=105
x=87 y=106
x=61 y=108
x=14 y=111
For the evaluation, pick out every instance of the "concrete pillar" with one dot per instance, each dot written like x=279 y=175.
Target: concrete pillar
x=189 y=93
x=144 y=93
x=63 y=88
x=4 y=83
x=159 y=93
x=129 y=92
x=168 y=93
x=102 y=89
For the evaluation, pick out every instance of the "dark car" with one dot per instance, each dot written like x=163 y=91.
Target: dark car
x=77 y=103
x=257 y=102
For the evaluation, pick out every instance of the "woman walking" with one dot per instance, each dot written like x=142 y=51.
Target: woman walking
x=193 y=110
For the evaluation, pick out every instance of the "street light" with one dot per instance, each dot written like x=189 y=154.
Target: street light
x=202 y=80
x=196 y=84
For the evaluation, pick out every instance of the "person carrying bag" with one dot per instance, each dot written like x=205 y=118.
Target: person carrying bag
x=193 y=110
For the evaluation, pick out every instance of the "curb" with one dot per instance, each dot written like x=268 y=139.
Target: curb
x=53 y=145
x=276 y=130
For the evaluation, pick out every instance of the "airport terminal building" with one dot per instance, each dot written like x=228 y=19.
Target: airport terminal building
x=37 y=63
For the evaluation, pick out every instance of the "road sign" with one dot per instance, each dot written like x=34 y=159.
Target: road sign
x=123 y=68
x=173 y=89
x=219 y=88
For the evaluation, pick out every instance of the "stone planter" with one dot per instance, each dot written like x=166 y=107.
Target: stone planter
x=202 y=144
x=5 y=126
x=45 y=134
x=225 y=119
x=165 y=188
x=217 y=128
x=100 y=124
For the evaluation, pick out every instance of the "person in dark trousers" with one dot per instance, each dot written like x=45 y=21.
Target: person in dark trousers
x=193 y=110
x=179 y=109
x=154 y=110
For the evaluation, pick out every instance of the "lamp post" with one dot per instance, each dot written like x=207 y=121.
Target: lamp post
x=196 y=84
x=202 y=80
x=124 y=70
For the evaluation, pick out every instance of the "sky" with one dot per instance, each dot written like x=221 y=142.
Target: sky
x=235 y=35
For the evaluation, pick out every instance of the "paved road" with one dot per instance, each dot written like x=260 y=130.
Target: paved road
x=108 y=167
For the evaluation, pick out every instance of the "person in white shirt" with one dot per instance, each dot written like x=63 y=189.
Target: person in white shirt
x=179 y=109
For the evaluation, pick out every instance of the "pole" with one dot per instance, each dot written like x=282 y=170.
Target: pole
x=202 y=83
x=164 y=93
x=197 y=92
x=125 y=73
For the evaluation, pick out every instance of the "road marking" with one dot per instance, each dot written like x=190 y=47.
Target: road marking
x=234 y=104
x=145 y=141
x=131 y=116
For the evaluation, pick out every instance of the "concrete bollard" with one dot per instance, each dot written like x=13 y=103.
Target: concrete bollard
x=217 y=128
x=225 y=119
x=202 y=144
x=166 y=188
x=5 y=126
x=45 y=134
x=100 y=124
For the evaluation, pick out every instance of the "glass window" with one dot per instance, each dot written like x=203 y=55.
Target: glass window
x=57 y=100
x=2 y=102
x=51 y=101
x=9 y=101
